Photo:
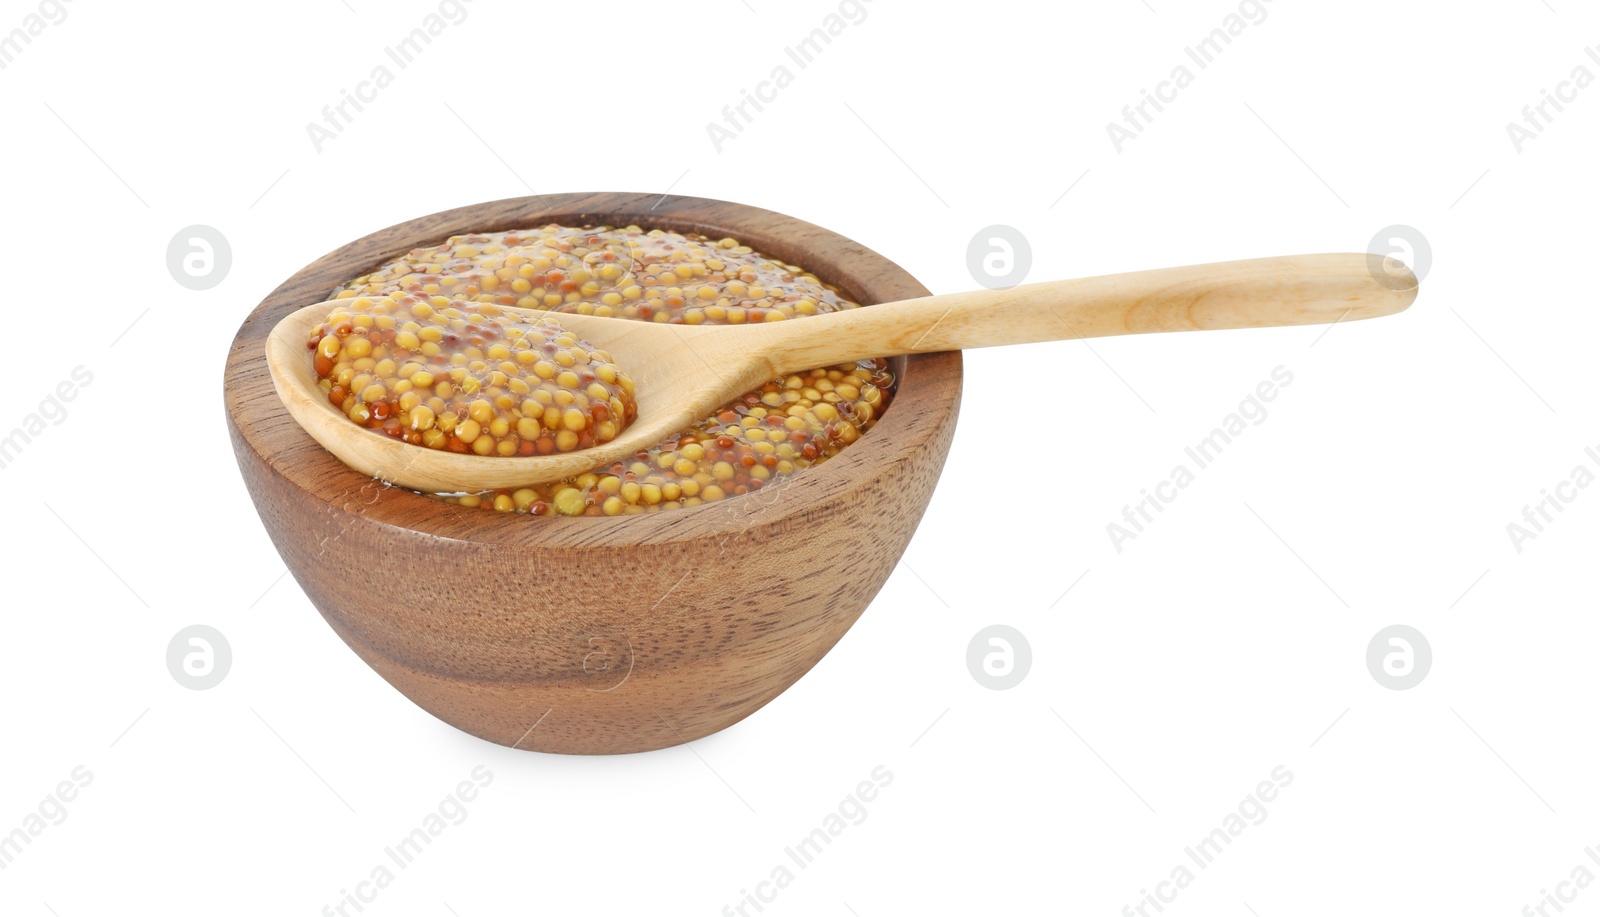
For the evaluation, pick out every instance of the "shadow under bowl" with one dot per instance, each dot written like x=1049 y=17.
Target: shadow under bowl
x=595 y=635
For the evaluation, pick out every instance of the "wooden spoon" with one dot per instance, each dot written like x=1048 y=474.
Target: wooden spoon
x=684 y=373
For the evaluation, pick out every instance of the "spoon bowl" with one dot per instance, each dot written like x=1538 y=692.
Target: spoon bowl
x=683 y=373
x=673 y=385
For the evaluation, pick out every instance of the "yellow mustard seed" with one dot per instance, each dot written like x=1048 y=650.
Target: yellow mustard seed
x=441 y=328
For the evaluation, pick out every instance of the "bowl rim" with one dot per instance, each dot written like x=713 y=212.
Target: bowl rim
x=927 y=396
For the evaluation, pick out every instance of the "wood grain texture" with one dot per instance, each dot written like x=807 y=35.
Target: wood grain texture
x=685 y=372
x=595 y=635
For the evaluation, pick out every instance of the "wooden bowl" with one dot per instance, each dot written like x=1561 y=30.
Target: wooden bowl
x=595 y=635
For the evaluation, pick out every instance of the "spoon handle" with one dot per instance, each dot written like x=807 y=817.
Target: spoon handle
x=1264 y=292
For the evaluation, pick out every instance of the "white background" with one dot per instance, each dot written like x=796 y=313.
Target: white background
x=1227 y=640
